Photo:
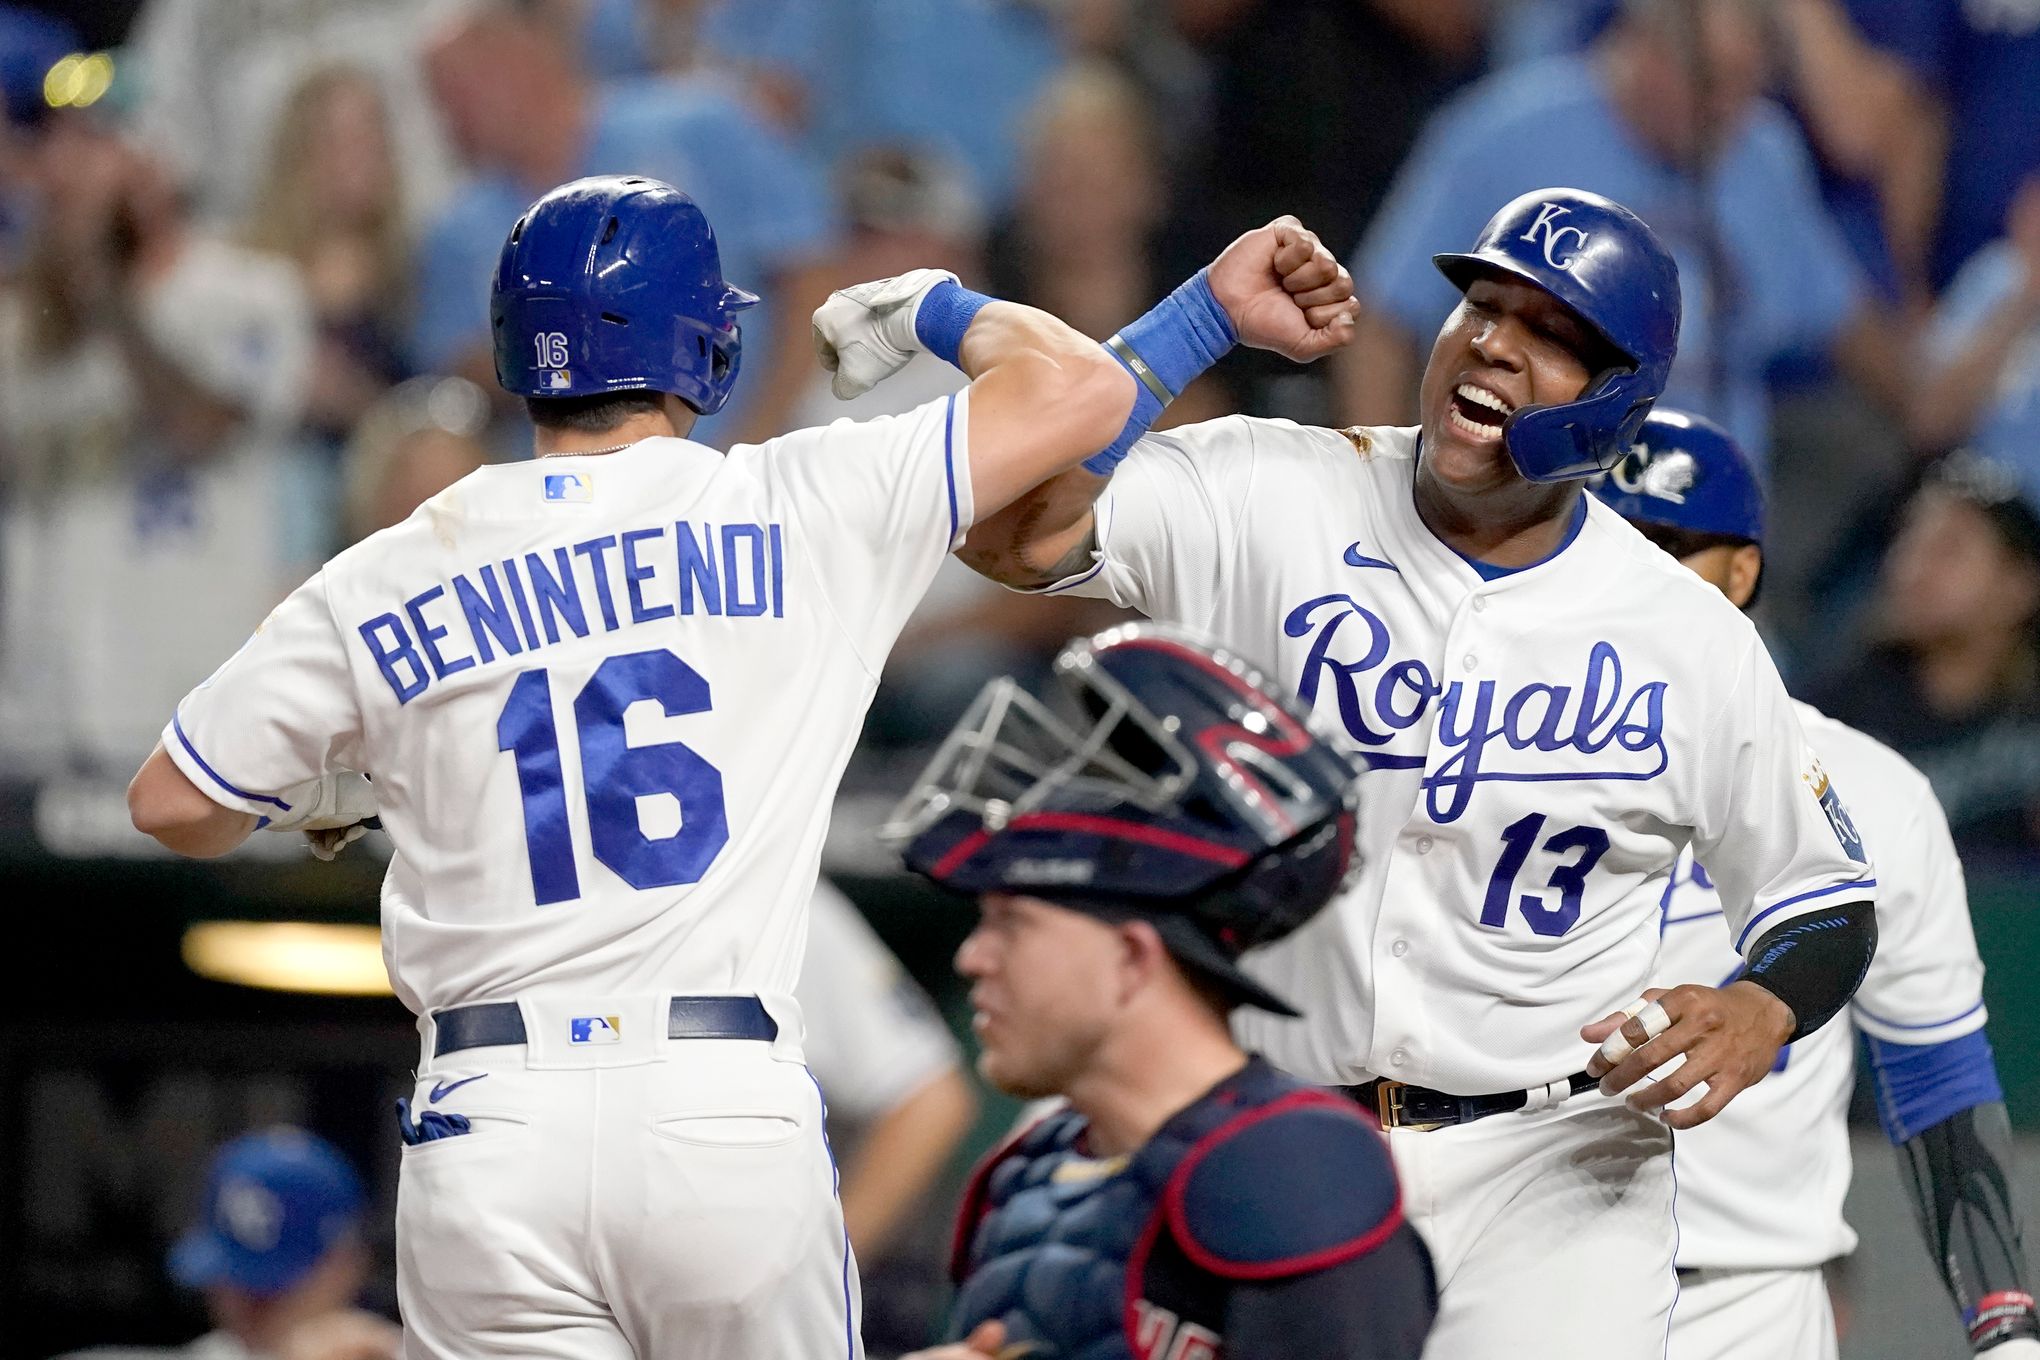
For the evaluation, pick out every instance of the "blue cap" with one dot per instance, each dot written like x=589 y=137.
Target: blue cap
x=1686 y=472
x=276 y=1201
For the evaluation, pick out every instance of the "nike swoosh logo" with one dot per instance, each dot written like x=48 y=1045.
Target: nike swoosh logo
x=441 y=1090
x=1356 y=558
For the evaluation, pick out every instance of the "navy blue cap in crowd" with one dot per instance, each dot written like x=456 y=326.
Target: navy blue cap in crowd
x=1686 y=472
x=614 y=284
x=1189 y=792
x=276 y=1201
x=1604 y=263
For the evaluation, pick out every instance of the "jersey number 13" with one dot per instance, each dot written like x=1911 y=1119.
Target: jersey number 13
x=614 y=775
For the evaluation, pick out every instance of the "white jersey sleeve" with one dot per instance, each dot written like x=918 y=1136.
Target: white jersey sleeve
x=873 y=1036
x=1771 y=825
x=1925 y=985
x=281 y=711
x=896 y=495
x=1169 y=522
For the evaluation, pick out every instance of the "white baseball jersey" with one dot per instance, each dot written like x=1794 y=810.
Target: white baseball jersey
x=605 y=700
x=1761 y=1184
x=1540 y=748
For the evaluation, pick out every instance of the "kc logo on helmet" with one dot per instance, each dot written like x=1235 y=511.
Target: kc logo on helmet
x=1553 y=236
x=1666 y=476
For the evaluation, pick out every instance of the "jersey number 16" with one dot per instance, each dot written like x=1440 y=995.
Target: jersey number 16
x=614 y=776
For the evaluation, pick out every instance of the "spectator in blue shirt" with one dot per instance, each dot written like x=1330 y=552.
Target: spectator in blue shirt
x=1982 y=384
x=522 y=112
x=1722 y=176
x=954 y=79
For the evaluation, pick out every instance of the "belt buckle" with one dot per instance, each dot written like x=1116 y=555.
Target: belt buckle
x=1388 y=1107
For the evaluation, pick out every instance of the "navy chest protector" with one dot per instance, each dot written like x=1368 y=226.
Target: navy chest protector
x=1105 y=1259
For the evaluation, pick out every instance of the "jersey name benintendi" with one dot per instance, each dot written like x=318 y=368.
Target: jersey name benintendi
x=604 y=701
x=1761 y=1184
x=1539 y=747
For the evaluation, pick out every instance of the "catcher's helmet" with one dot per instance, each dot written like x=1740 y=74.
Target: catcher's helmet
x=1603 y=262
x=1191 y=794
x=611 y=284
x=1686 y=472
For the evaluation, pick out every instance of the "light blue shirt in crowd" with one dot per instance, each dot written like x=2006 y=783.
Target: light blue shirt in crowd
x=770 y=209
x=957 y=77
x=2005 y=428
x=1777 y=278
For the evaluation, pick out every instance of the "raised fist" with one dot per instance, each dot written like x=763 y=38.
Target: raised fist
x=1285 y=292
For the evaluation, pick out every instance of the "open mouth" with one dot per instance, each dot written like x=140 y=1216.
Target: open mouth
x=1477 y=413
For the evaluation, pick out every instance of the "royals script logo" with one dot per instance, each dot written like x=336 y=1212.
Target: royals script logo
x=1533 y=734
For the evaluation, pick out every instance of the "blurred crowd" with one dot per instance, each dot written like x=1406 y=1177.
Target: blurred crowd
x=244 y=263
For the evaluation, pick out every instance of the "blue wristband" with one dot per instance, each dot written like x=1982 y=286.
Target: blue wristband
x=946 y=312
x=1165 y=351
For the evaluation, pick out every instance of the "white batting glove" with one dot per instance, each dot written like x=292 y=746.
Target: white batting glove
x=865 y=333
x=330 y=811
x=2018 y=1348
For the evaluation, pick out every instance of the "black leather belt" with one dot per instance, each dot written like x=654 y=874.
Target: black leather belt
x=496 y=1024
x=1399 y=1105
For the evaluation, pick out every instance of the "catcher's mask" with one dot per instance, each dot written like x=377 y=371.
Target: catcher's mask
x=1188 y=793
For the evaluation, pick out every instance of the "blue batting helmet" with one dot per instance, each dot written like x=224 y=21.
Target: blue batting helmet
x=1686 y=472
x=1191 y=794
x=1604 y=263
x=613 y=284
x=276 y=1201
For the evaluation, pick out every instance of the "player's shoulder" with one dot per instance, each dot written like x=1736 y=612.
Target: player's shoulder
x=1283 y=448
x=1662 y=586
x=1866 y=769
x=1295 y=1184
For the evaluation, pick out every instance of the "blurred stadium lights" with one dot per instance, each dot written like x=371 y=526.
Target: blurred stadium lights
x=289 y=956
x=78 y=81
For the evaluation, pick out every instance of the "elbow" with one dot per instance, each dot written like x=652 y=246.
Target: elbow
x=1096 y=392
x=151 y=812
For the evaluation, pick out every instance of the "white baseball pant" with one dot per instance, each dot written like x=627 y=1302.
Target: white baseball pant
x=641 y=1199
x=1551 y=1232
x=1753 y=1315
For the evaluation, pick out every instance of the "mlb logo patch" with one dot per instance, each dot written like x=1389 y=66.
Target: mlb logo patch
x=595 y=1029
x=569 y=487
x=559 y=379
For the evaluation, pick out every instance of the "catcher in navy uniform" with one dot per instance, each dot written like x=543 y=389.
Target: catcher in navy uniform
x=1189 y=1202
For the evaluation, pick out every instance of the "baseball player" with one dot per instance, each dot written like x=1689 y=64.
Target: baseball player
x=1550 y=712
x=1761 y=1185
x=1189 y=1201
x=605 y=696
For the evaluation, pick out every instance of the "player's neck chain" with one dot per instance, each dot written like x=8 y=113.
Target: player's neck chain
x=586 y=453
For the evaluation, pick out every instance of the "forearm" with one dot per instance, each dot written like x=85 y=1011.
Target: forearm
x=1815 y=963
x=165 y=804
x=900 y=1158
x=1946 y=408
x=193 y=418
x=1042 y=399
x=1958 y=1174
x=1852 y=94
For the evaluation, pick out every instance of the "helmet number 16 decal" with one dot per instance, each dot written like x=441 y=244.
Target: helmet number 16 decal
x=1588 y=843
x=549 y=349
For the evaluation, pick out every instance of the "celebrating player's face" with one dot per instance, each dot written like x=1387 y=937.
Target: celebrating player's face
x=1507 y=345
x=1043 y=982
